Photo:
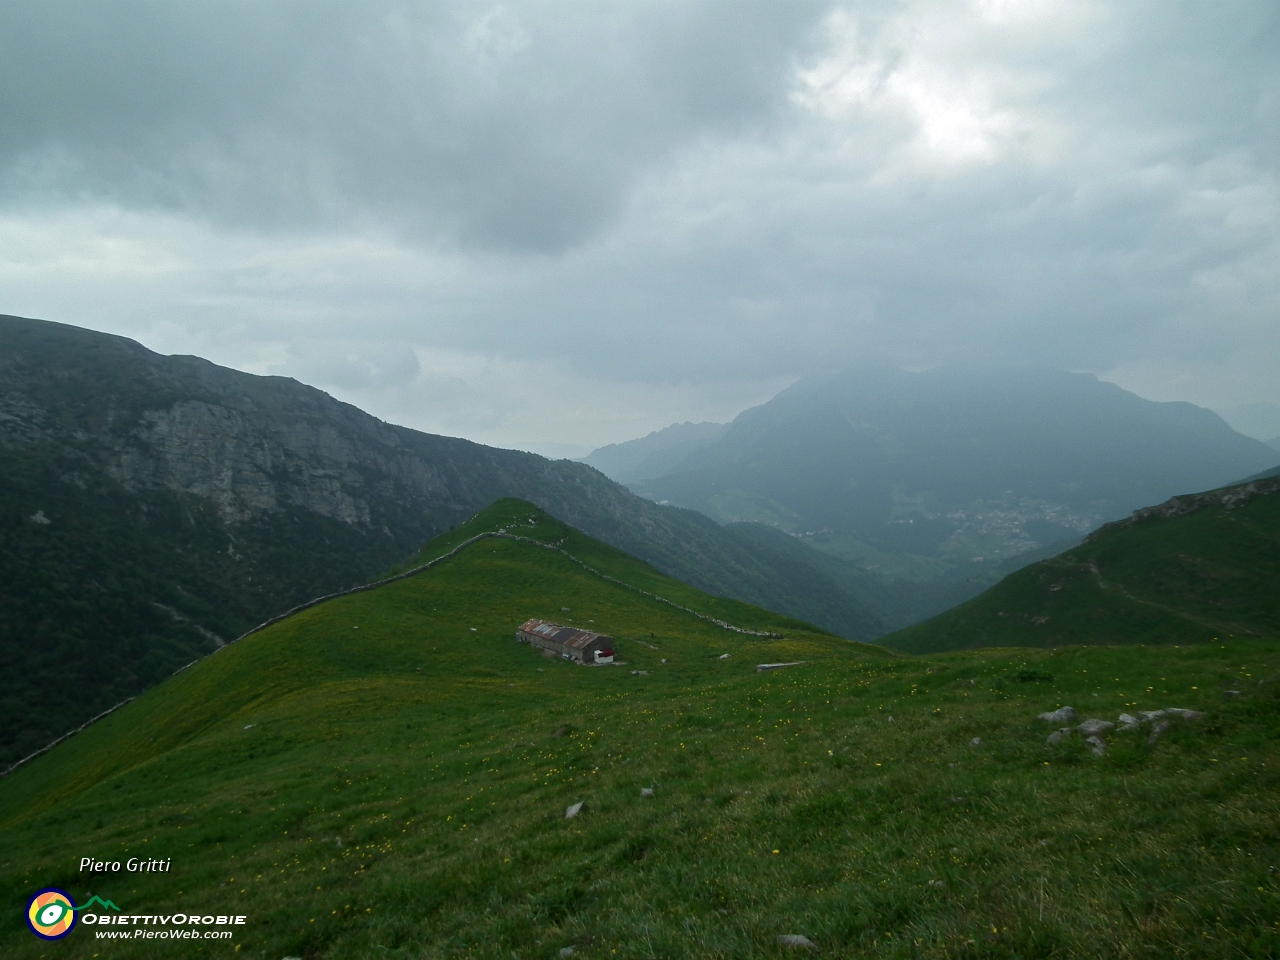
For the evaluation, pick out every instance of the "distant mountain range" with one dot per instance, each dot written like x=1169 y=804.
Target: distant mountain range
x=957 y=462
x=656 y=455
x=935 y=483
x=152 y=508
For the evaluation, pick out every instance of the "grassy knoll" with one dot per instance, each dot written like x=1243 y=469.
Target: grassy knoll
x=386 y=775
x=1191 y=578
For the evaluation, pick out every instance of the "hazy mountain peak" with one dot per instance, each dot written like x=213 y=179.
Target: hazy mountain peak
x=913 y=459
x=656 y=454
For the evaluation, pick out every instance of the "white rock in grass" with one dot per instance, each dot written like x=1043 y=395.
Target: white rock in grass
x=1158 y=729
x=975 y=742
x=1061 y=715
x=1062 y=733
x=566 y=953
x=573 y=811
x=1091 y=727
x=646 y=791
x=1151 y=714
x=796 y=940
x=1127 y=721
x=1097 y=745
x=725 y=656
x=1183 y=713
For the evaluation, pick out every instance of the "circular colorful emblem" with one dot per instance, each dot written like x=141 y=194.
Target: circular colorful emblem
x=51 y=914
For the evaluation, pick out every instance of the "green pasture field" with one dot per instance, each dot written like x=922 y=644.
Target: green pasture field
x=386 y=775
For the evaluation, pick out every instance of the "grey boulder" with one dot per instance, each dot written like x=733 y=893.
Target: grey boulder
x=1061 y=715
x=1091 y=727
x=1158 y=729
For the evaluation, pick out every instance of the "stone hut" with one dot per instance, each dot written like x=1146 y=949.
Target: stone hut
x=580 y=646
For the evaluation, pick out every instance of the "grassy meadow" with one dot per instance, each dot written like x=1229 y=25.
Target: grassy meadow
x=386 y=776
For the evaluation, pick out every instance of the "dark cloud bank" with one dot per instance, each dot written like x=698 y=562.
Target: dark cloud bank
x=684 y=205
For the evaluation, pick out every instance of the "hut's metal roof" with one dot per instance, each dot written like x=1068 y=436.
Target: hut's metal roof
x=566 y=636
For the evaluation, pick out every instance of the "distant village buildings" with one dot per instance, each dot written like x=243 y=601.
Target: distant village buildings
x=580 y=646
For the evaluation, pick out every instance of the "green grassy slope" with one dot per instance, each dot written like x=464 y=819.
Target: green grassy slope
x=521 y=519
x=152 y=507
x=386 y=774
x=1160 y=579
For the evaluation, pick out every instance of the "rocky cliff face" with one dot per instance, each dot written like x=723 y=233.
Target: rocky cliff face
x=246 y=462
x=250 y=446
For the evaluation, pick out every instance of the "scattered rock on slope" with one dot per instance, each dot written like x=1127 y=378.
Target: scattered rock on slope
x=1061 y=715
x=1091 y=727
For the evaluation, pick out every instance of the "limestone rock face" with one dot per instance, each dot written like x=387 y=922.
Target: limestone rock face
x=246 y=463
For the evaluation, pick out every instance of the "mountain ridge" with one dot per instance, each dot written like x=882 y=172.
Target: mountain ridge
x=963 y=433
x=154 y=507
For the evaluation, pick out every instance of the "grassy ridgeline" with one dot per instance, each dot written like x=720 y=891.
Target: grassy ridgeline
x=1192 y=578
x=374 y=777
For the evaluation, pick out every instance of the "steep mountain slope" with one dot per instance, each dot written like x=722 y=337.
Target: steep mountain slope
x=654 y=455
x=388 y=773
x=1196 y=568
x=153 y=507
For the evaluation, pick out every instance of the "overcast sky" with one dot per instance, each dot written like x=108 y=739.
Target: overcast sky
x=556 y=225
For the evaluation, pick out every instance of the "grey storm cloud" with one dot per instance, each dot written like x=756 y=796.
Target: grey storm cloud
x=683 y=205
x=499 y=126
